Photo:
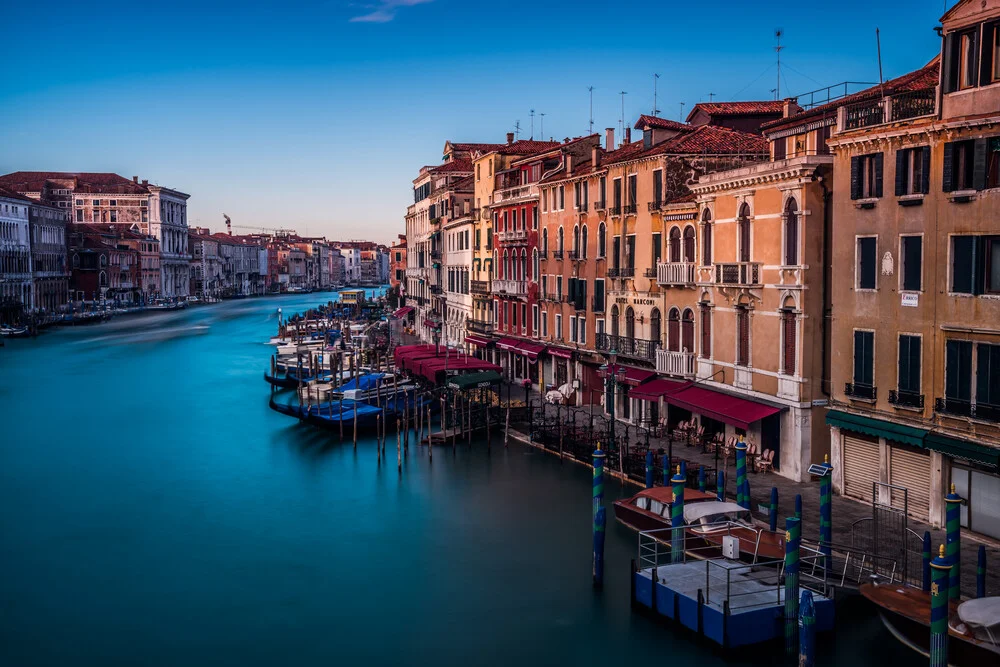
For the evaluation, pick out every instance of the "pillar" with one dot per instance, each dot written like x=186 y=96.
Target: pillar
x=953 y=541
x=793 y=536
x=741 y=473
x=649 y=469
x=677 y=519
x=940 y=574
x=600 y=519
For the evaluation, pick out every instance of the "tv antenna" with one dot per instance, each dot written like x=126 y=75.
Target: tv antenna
x=541 y=131
x=711 y=96
x=532 y=123
x=517 y=129
x=621 y=122
x=655 y=79
x=777 y=51
x=591 y=89
x=682 y=112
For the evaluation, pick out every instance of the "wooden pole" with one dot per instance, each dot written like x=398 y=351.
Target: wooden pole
x=355 y=424
x=399 y=448
x=506 y=428
x=378 y=448
x=341 y=417
x=489 y=433
x=454 y=418
x=430 y=440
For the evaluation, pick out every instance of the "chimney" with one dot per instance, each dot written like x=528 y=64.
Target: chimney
x=135 y=179
x=609 y=141
x=145 y=182
x=790 y=107
x=569 y=164
x=595 y=157
x=628 y=135
x=510 y=138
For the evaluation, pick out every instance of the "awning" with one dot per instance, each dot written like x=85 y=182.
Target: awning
x=409 y=350
x=636 y=376
x=432 y=324
x=402 y=312
x=732 y=410
x=474 y=380
x=476 y=339
x=522 y=347
x=561 y=352
x=655 y=390
x=877 y=427
x=457 y=365
x=963 y=449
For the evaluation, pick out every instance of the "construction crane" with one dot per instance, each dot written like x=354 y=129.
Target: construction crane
x=267 y=230
x=229 y=224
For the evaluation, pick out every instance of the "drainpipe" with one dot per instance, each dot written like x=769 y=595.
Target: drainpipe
x=827 y=230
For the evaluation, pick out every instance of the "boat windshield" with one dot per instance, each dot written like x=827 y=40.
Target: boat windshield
x=651 y=505
x=723 y=517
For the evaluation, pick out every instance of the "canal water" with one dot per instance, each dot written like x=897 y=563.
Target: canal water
x=154 y=511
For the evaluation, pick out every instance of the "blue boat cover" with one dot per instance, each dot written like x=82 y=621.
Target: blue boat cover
x=365 y=382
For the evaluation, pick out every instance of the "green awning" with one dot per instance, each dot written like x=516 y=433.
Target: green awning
x=474 y=380
x=878 y=428
x=963 y=449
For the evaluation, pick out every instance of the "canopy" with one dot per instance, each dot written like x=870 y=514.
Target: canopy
x=876 y=427
x=419 y=365
x=431 y=324
x=522 y=347
x=560 y=352
x=403 y=312
x=963 y=449
x=732 y=410
x=474 y=380
x=656 y=389
x=475 y=339
x=636 y=376
x=431 y=369
x=404 y=351
x=695 y=511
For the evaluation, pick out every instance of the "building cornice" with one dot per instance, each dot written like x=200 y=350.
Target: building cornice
x=800 y=169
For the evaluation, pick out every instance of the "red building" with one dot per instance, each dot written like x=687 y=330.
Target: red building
x=104 y=266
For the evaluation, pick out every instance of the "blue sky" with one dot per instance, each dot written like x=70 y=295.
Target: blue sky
x=317 y=116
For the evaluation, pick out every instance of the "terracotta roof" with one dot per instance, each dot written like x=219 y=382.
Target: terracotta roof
x=921 y=79
x=551 y=149
x=96 y=182
x=738 y=108
x=706 y=139
x=458 y=165
x=10 y=194
x=657 y=123
x=525 y=147
x=476 y=147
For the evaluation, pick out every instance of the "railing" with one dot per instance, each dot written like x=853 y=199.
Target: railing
x=962 y=408
x=436 y=289
x=512 y=287
x=477 y=326
x=600 y=206
x=436 y=221
x=416 y=272
x=512 y=235
x=910 y=104
x=480 y=287
x=628 y=209
x=680 y=364
x=626 y=272
x=864 y=114
x=435 y=254
x=675 y=273
x=655 y=205
x=906 y=399
x=557 y=254
x=574 y=254
x=582 y=207
x=741 y=273
x=615 y=210
x=913 y=104
x=635 y=348
x=649 y=273
x=864 y=392
x=515 y=193
x=613 y=271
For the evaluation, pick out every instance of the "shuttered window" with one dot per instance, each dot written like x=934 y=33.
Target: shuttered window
x=791 y=234
x=788 y=331
x=706 y=242
x=909 y=364
x=965 y=165
x=743 y=222
x=866 y=273
x=866 y=176
x=743 y=344
x=658 y=185
x=687 y=331
x=913 y=171
x=912 y=256
x=958 y=370
x=689 y=243
x=861 y=466
x=706 y=332
x=864 y=358
x=674 y=330
x=988 y=381
x=631 y=251
x=657 y=248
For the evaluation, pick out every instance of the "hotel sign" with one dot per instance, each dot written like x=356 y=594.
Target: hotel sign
x=635 y=301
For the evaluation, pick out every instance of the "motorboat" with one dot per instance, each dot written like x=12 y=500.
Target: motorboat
x=14 y=332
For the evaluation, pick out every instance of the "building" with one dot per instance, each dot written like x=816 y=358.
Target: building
x=915 y=285
x=15 y=256
x=397 y=263
x=352 y=265
x=370 y=267
x=49 y=271
x=104 y=267
x=457 y=236
x=206 y=265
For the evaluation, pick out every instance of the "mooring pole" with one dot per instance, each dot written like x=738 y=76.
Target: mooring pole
x=981 y=572
x=430 y=439
x=666 y=470
x=773 y=509
x=600 y=518
x=399 y=447
x=807 y=630
x=378 y=447
x=649 y=469
x=506 y=428
x=720 y=485
x=741 y=474
x=953 y=541
x=825 y=514
x=798 y=506
x=677 y=519
x=941 y=568
x=355 y=424
x=701 y=478
x=793 y=537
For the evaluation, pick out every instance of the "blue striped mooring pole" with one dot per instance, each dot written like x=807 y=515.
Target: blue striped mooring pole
x=807 y=630
x=981 y=572
x=953 y=541
x=600 y=519
x=772 y=511
x=826 y=514
x=677 y=519
x=793 y=538
x=798 y=506
x=701 y=478
x=940 y=570
x=666 y=470
x=720 y=486
x=741 y=473
x=925 y=558
x=649 y=470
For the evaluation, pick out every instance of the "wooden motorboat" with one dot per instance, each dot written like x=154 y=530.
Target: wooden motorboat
x=973 y=625
x=15 y=332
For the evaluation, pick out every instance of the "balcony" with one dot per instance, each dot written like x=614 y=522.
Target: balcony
x=961 y=408
x=512 y=236
x=906 y=399
x=628 y=209
x=416 y=272
x=626 y=272
x=436 y=255
x=557 y=254
x=633 y=348
x=675 y=273
x=891 y=109
x=615 y=210
x=600 y=206
x=740 y=273
x=649 y=273
x=654 y=205
x=574 y=255
x=480 y=327
x=480 y=287
x=510 y=287
x=679 y=364
x=436 y=221
x=862 y=392
x=437 y=289
x=514 y=194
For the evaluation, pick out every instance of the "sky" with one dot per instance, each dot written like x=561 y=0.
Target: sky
x=317 y=116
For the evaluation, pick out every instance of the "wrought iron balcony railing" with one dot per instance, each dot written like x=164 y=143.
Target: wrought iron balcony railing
x=628 y=209
x=906 y=399
x=865 y=392
x=963 y=408
x=634 y=348
x=739 y=273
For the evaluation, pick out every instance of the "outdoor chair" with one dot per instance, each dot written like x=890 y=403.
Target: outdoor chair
x=766 y=461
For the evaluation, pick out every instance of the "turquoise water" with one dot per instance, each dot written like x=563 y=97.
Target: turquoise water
x=154 y=511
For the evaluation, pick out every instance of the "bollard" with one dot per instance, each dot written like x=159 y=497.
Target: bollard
x=677 y=519
x=940 y=574
x=599 y=518
x=649 y=470
x=720 y=486
x=953 y=541
x=981 y=572
x=925 y=558
x=793 y=536
x=807 y=630
x=773 y=509
x=741 y=473
x=825 y=514
x=701 y=478
x=798 y=506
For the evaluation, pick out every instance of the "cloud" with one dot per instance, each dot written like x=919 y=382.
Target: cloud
x=384 y=11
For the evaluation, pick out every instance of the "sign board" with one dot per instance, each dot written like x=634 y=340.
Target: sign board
x=910 y=299
x=819 y=470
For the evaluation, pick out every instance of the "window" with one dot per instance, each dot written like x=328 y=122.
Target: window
x=988 y=382
x=913 y=166
x=960 y=166
x=583 y=242
x=572 y=329
x=545 y=325
x=559 y=291
x=632 y=189
x=599 y=295
x=975 y=264
x=630 y=249
x=524 y=317
x=674 y=249
x=780 y=146
x=617 y=194
x=993 y=160
x=743 y=225
x=513 y=315
x=602 y=240
x=616 y=251
x=657 y=249
x=908 y=377
x=911 y=255
x=545 y=241
x=79 y=215
x=788 y=342
x=967 y=59
x=866 y=270
x=743 y=332
x=603 y=190
x=582 y=334
x=559 y=240
x=534 y=318
x=687 y=330
x=706 y=331
x=689 y=244
x=599 y=327
x=657 y=187
x=706 y=238
x=958 y=377
x=562 y=197
x=558 y=326
x=864 y=365
x=866 y=176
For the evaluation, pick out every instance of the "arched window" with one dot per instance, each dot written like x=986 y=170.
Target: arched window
x=789 y=333
x=76 y=261
x=583 y=243
x=559 y=240
x=545 y=241
x=675 y=244
x=687 y=330
x=655 y=326
x=629 y=323
x=602 y=240
x=614 y=321
x=535 y=268
x=104 y=260
x=706 y=238
x=743 y=224
x=689 y=244
x=706 y=330
x=674 y=330
x=505 y=266
x=576 y=240
x=743 y=336
x=524 y=264
x=103 y=278
x=791 y=234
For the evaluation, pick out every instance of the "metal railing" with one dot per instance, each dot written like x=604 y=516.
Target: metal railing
x=629 y=209
x=480 y=286
x=615 y=210
x=864 y=114
x=739 y=273
x=514 y=287
x=635 y=348
x=913 y=104
x=626 y=272
x=479 y=326
x=858 y=390
x=964 y=408
x=557 y=254
x=655 y=205
x=906 y=399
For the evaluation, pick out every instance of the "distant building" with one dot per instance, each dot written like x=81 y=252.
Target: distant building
x=15 y=256
x=397 y=262
x=49 y=271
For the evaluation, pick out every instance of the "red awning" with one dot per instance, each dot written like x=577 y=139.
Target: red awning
x=431 y=324
x=561 y=352
x=406 y=363
x=409 y=350
x=733 y=410
x=403 y=312
x=655 y=390
x=636 y=376
x=476 y=339
x=420 y=366
x=522 y=347
x=430 y=368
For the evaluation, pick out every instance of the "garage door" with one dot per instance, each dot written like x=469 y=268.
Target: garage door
x=911 y=468
x=860 y=466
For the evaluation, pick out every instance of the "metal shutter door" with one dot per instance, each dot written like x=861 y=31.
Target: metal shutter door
x=861 y=467
x=911 y=469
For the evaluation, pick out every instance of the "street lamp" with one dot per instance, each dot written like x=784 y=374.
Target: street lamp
x=613 y=375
